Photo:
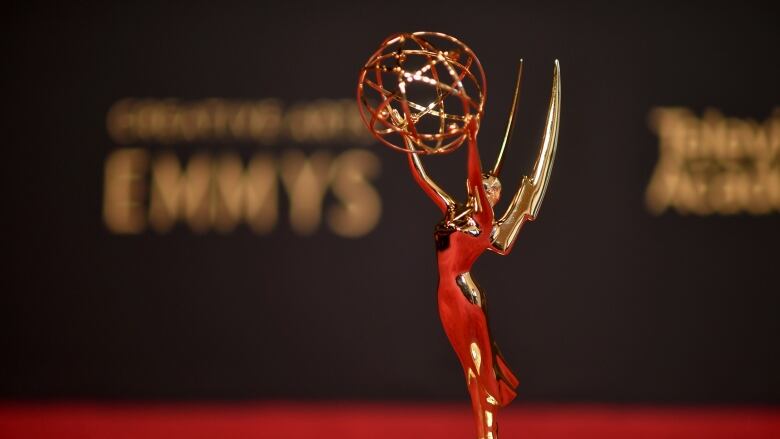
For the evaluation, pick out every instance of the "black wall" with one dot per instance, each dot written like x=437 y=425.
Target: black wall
x=601 y=300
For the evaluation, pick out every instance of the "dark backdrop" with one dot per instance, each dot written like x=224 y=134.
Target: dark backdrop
x=600 y=301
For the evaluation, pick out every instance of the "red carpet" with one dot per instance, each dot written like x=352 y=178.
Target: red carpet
x=374 y=420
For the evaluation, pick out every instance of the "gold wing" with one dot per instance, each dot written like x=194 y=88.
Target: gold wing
x=528 y=199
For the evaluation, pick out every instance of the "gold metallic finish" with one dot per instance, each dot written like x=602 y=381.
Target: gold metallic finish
x=430 y=63
x=528 y=200
x=510 y=123
x=469 y=288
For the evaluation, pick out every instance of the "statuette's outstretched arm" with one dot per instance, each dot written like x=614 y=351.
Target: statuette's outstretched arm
x=441 y=198
x=528 y=199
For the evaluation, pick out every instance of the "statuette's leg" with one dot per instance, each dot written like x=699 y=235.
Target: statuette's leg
x=484 y=407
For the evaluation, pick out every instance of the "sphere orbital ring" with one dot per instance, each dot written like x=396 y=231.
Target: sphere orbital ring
x=410 y=63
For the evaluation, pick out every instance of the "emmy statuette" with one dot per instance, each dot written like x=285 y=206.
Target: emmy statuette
x=423 y=93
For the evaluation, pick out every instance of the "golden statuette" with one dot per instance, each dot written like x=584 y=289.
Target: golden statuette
x=423 y=93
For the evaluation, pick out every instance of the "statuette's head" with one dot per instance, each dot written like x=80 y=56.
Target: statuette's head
x=492 y=188
x=420 y=91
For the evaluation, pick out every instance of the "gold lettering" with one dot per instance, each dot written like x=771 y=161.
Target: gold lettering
x=669 y=125
x=263 y=120
x=245 y=194
x=230 y=193
x=120 y=122
x=180 y=194
x=305 y=181
x=262 y=198
x=714 y=164
x=124 y=190
x=360 y=205
x=170 y=120
x=220 y=193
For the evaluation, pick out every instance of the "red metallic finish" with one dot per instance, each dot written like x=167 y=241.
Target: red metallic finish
x=461 y=237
